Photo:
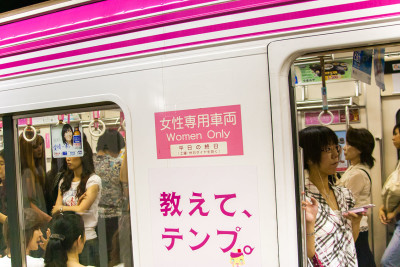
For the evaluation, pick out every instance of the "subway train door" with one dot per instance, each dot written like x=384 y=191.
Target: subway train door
x=351 y=102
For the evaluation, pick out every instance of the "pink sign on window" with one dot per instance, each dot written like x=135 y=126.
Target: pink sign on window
x=202 y=132
x=47 y=140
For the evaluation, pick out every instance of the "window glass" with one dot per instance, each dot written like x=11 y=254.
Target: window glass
x=75 y=187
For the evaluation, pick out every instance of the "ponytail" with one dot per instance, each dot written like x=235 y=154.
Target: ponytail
x=65 y=229
x=56 y=254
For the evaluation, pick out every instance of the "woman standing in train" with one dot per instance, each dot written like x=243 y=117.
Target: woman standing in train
x=107 y=162
x=389 y=211
x=358 y=150
x=79 y=191
x=39 y=156
x=34 y=197
x=330 y=229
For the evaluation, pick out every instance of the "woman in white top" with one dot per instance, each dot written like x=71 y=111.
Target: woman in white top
x=80 y=191
x=358 y=150
x=33 y=238
x=66 y=241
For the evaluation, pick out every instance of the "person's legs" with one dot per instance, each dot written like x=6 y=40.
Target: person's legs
x=391 y=257
x=111 y=228
x=364 y=254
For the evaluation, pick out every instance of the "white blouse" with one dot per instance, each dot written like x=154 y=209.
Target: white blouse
x=359 y=184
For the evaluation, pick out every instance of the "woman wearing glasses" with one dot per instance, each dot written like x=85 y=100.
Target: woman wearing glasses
x=358 y=150
x=330 y=229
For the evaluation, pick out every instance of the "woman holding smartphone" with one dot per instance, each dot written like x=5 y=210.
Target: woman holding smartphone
x=330 y=228
x=389 y=211
x=358 y=150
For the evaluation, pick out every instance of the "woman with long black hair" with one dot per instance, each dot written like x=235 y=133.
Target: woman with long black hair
x=66 y=241
x=79 y=191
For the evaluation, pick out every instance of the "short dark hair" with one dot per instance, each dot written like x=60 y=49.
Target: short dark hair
x=397 y=126
x=32 y=223
x=364 y=141
x=111 y=140
x=313 y=139
x=65 y=128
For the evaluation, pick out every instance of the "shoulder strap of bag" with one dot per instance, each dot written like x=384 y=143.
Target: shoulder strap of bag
x=367 y=175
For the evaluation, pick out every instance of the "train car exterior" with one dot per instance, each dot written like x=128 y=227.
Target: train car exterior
x=188 y=74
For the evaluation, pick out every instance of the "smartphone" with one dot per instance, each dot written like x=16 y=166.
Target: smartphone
x=361 y=209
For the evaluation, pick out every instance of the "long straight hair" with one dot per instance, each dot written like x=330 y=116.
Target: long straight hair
x=87 y=171
x=28 y=161
x=40 y=162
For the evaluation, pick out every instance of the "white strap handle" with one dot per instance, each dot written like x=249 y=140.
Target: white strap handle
x=100 y=132
x=320 y=116
x=122 y=126
x=34 y=133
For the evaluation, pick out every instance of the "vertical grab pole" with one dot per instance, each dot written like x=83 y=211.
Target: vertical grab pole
x=347 y=113
x=14 y=211
x=323 y=88
x=303 y=213
x=324 y=96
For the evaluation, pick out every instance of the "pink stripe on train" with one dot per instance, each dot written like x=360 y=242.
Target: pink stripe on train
x=112 y=11
x=298 y=28
x=173 y=35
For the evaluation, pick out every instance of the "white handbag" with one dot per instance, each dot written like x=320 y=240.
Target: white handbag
x=391 y=190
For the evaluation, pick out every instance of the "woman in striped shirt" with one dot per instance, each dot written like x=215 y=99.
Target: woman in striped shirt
x=330 y=229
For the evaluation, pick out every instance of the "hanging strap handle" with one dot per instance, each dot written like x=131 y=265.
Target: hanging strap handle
x=324 y=96
x=60 y=119
x=122 y=125
x=29 y=126
x=95 y=124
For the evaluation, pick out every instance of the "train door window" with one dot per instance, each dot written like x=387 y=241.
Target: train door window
x=351 y=103
x=74 y=186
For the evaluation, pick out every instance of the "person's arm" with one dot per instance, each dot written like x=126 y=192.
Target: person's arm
x=123 y=178
x=311 y=210
x=392 y=215
x=355 y=223
x=84 y=205
x=2 y=218
x=44 y=216
x=58 y=202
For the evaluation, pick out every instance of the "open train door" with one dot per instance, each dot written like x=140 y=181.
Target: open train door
x=282 y=54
